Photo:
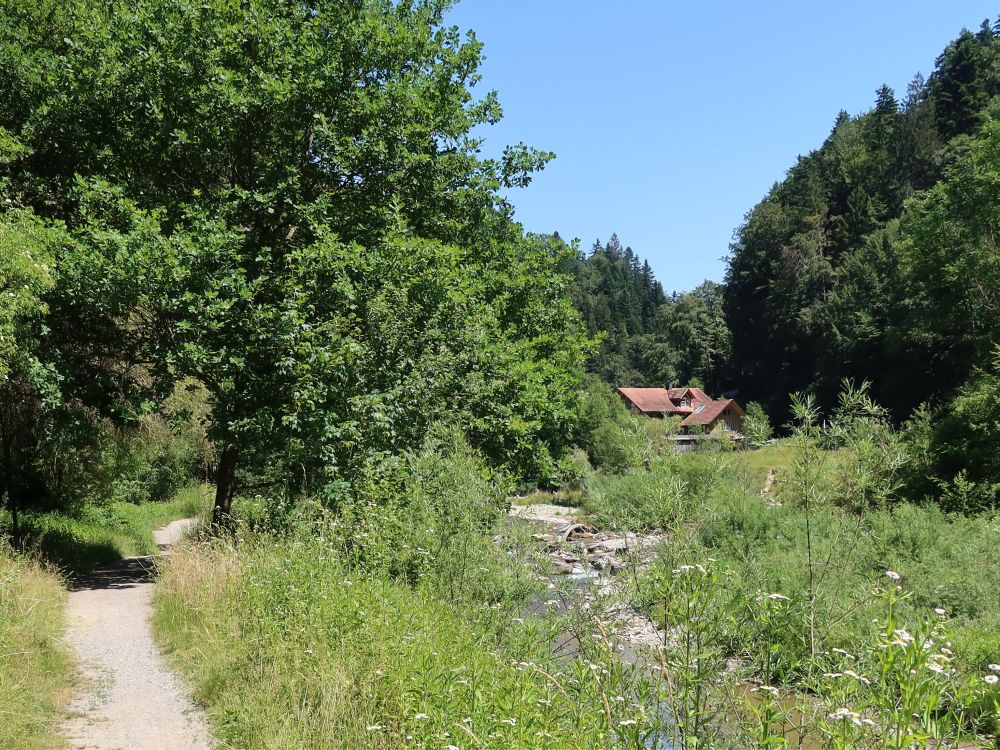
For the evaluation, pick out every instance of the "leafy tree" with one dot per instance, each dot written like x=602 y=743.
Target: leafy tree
x=286 y=203
x=954 y=448
x=950 y=261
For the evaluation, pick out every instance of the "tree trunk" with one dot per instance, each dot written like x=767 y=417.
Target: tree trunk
x=225 y=483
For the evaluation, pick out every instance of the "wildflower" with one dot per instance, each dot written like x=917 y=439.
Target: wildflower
x=376 y=727
x=939 y=611
x=935 y=667
x=991 y=679
x=766 y=688
x=512 y=721
x=841 y=651
x=627 y=722
x=903 y=636
x=993 y=667
x=947 y=651
x=782 y=597
x=856 y=676
x=421 y=716
x=846 y=713
x=893 y=575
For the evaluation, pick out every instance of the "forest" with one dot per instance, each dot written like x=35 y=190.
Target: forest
x=256 y=271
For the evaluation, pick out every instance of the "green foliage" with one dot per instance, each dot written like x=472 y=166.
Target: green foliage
x=950 y=262
x=397 y=621
x=756 y=425
x=647 y=338
x=35 y=670
x=296 y=220
x=954 y=448
x=26 y=273
x=100 y=534
x=847 y=270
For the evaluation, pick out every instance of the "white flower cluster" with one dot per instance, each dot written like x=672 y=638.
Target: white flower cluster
x=854 y=717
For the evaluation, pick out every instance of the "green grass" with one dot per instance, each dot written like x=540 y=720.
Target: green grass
x=101 y=534
x=286 y=648
x=778 y=456
x=36 y=673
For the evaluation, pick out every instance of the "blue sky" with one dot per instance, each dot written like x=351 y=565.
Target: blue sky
x=671 y=120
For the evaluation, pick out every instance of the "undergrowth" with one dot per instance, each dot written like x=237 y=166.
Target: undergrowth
x=99 y=534
x=395 y=622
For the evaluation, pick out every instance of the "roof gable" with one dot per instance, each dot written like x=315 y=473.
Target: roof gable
x=705 y=414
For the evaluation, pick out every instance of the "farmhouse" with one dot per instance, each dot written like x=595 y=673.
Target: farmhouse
x=698 y=412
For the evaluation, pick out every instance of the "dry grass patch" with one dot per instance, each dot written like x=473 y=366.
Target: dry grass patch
x=36 y=673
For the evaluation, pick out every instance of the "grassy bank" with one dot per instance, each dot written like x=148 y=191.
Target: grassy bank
x=100 y=534
x=820 y=577
x=35 y=670
x=286 y=648
x=397 y=623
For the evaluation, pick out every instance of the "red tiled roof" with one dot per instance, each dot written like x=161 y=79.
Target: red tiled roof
x=649 y=400
x=708 y=413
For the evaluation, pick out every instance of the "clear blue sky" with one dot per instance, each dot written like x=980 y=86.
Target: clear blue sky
x=671 y=120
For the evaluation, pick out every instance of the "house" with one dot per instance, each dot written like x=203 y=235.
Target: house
x=698 y=413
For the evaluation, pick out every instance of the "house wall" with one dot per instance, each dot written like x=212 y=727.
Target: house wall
x=734 y=417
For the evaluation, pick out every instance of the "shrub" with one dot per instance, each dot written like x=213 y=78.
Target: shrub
x=756 y=425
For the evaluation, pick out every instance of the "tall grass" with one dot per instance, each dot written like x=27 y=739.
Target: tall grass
x=395 y=622
x=805 y=579
x=35 y=671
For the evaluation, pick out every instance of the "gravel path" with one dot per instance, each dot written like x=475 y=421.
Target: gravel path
x=131 y=701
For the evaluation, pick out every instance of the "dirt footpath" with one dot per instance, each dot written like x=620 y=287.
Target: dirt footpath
x=131 y=701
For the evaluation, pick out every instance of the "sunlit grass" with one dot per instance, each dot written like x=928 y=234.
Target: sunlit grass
x=35 y=671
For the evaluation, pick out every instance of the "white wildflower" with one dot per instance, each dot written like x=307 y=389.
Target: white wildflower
x=993 y=667
x=939 y=611
x=893 y=575
x=421 y=716
x=847 y=714
x=782 y=597
x=627 y=722
x=376 y=727
x=991 y=679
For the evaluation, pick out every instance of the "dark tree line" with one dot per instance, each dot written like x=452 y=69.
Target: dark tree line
x=874 y=258
x=647 y=338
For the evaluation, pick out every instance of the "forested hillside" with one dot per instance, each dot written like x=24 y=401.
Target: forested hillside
x=646 y=337
x=876 y=257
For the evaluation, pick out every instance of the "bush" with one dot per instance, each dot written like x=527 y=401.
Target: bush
x=756 y=425
x=83 y=460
